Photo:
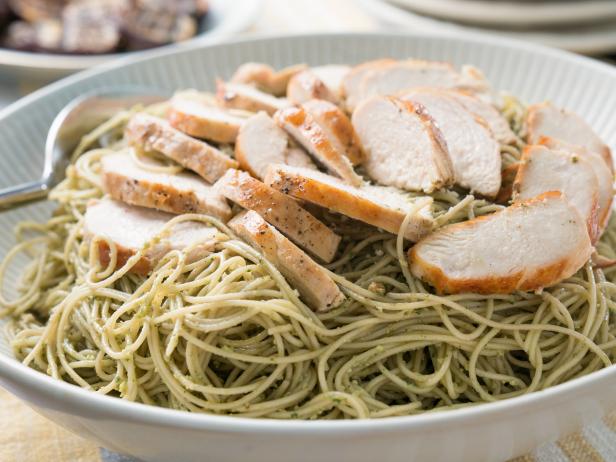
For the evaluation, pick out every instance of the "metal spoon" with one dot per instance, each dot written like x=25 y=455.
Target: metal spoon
x=77 y=118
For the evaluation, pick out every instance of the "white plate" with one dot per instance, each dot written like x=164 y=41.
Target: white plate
x=591 y=40
x=489 y=432
x=224 y=19
x=515 y=13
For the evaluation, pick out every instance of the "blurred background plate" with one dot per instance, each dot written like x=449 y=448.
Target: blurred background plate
x=516 y=13
x=225 y=19
x=590 y=39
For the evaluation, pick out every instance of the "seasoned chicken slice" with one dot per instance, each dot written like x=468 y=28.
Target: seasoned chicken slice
x=248 y=98
x=391 y=78
x=265 y=77
x=527 y=246
x=545 y=119
x=305 y=86
x=127 y=181
x=542 y=169
x=261 y=143
x=130 y=228
x=473 y=150
x=154 y=134
x=332 y=76
x=337 y=127
x=402 y=144
x=301 y=125
x=605 y=178
x=197 y=119
x=488 y=113
x=378 y=206
x=310 y=279
x=281 y=211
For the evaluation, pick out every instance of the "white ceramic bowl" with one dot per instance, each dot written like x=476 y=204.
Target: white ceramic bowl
x=489 y=432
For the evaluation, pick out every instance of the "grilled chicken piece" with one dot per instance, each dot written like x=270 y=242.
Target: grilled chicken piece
x=473 y=150
x=195 y=118
x=281 y=211
x=378 y=206
x=45 y=36
x=542 y=170
x=332 y=76
x=403 y=146
x=131 y=228
x=527 y=246
x=488 y=113
x=311 y=280
x=386 y=77
x=261 y=143
x=337 y=127
x=37 y=10
x=89 y=28
x=305 y=86
x=126 y=181
x=155 y=134
x=248 y=98
x=302 y=126
x=605 y=178
x=265 y=77
x=545 y=119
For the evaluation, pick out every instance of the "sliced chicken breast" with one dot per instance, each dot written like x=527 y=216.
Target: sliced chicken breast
x=311 y=280
x=265 y=77
x=383 y=207
x=305 y=86
x=281 y=211
x=127 y=181
x=545 y=119
x=542 y=169
x=391 y=78
x=604 y=175
x=248 y=98
x=154 y=134
x=130 y=228
x=261 y=142
x=402 y=144
x=332 y=76
x=488 y=113
x=302 y=126
x=527 y=246
x=337 y=127
x=203 y=121
x=473 y=150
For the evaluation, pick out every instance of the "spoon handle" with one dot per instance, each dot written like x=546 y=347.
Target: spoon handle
x=26 y=192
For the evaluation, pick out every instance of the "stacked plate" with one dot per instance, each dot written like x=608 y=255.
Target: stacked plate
x=583 y=26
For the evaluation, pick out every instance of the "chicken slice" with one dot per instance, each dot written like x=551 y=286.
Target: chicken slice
x=545 y=119
x=302 y=126
x=391 y=78
x=352 y=81
x=265 y=77
x=473 y=150
x=527 y=246
x=248 y=98
x=281 y=211
x=332 y=76
x=305 y=86
x=130 y=228
x=337 y=127
x=488 y=113
x=154 y=134
x=261 y=143
x=147 y=186
x=378 y=206
x=604 y=175
x=402 y=144
x=197 y=119
x=310 y=279
x=542 y=169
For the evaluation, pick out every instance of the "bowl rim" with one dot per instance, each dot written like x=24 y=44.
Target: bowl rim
x=72 y=397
